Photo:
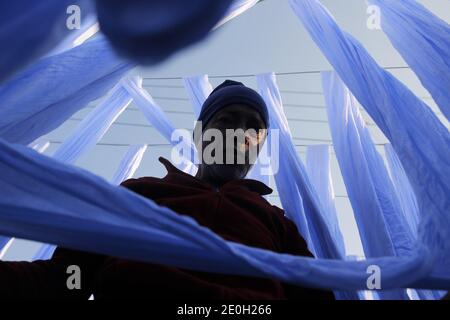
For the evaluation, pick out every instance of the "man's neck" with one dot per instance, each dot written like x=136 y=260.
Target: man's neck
x=206 y=177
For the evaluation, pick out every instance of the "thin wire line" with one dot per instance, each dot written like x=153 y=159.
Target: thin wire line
x=277 y=196
x=120 y=123
x=153 y=144
x=312 y=106
x=282 y=91
x=137 y=109
x=303 y=92
x=253 y=75
x=172 y=98
x=191 y=113
x=118 y=144
x=163 y=86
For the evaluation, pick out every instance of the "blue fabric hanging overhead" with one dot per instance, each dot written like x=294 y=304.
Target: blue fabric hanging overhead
x=150 y=31
x=297 y=193
x=3 y=241
x=29 y=29
x=47 y=201
x=423 y=40
x=408 y=202
x=420 y=140
x=87 y=213
x=94 y=126
x=403 y=190
x=56 y=88
x=381 y=223
x=185 y=149
x=318 y=169
x=129 y=163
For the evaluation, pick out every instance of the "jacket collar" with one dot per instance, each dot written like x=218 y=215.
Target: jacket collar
x=250 y=184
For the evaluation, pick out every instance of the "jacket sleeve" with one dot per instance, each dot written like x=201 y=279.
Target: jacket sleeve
x=293 y=243
x=47 y=279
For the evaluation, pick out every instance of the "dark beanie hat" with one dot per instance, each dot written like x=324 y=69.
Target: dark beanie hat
x=232 y=92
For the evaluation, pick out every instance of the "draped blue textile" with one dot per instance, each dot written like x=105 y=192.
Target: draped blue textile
x=24 y=114
x=420 y=140
x=151 y=31
x=408 y=201
x=33 y=28
x=129 y=163
x=319 y=173
x=126 y=169
x=292 y=169
x=40 y=145
x=90 y=130
x=318 y=169
x=423 y=40
x=403 y=189
x=381 y=223
x=45 y=200
x=29 y=29
x=297 y=194
x=3 y=241
x=87 y=213
x=42 y=97
x=88 y=29
x=198 y=89
x=157 y=118
x=94 y=126
x=45 y=252
x=5 y=245
x=237 y=7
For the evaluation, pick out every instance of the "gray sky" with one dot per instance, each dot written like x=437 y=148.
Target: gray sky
x=266 y=38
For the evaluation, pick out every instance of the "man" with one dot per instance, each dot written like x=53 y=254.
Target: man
x=218 y=198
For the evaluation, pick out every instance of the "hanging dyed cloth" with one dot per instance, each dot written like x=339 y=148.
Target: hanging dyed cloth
x=30 y=29
x=40 y=145
x=151 y=31
x=319 y=173
x=381 y=223
x=408 y=201
x=50 y=98
x=198 y=89
x=92 y=128
x=136 y=228
x=129 y=163
x=420 y=140
x=156 y=117
x=423 y=40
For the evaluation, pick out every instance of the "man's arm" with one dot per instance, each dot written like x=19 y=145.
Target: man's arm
x=47 y=279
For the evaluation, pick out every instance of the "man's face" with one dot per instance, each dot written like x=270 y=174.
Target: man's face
x=242 y=132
